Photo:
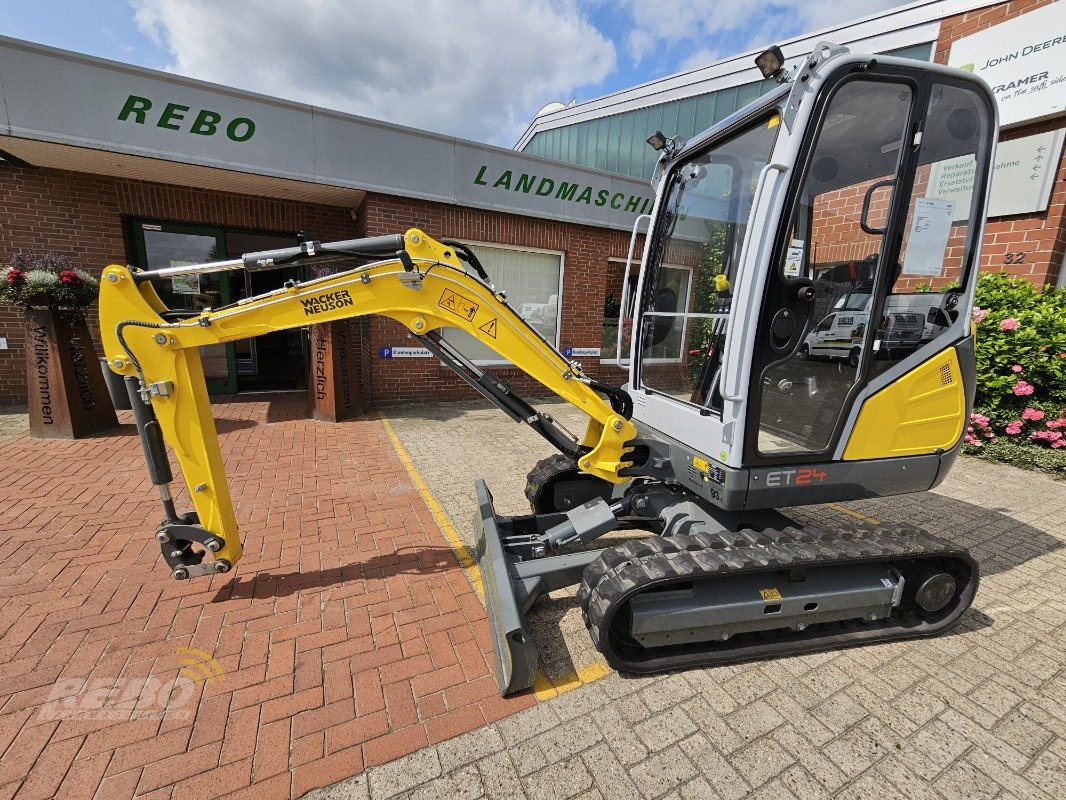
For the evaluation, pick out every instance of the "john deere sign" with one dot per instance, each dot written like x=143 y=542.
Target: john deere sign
x=1023 y=60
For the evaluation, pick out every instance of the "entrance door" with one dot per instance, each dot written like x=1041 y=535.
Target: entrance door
x=274 y=360
x=269 y=362
x=167 y=245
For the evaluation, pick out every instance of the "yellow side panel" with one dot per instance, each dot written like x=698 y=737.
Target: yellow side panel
x=922 y=412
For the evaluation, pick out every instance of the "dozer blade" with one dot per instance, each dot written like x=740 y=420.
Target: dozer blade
x=516 y=656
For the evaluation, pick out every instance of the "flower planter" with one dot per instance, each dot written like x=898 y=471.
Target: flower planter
x=65 y=389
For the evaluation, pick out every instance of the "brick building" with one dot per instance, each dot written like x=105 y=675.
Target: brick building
x=140 y=167
x=130 y=165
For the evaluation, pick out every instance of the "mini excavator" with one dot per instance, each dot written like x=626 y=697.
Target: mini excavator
x=845 y=205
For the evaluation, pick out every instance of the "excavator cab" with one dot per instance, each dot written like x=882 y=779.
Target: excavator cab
x=841 y=195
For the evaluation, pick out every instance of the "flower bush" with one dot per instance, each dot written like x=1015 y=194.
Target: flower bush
x=47 y=280
x=1020 y=407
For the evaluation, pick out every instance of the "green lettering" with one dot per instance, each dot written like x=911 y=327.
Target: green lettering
x=504 y=180
x=206 y=123
x=239 y=122
x=566 y=191
x=525 y=183
x=170 y=115
x=601 y=197
x=480 y=175
x=138 y=106
x=547 y=184
x=647 y=204
x=585 y=196
x=616 y=200
x=633 y=203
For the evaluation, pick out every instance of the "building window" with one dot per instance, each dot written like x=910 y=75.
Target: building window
x=533 y=281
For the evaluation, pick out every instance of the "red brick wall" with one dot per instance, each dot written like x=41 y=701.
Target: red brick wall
x=585 y=277
x=81 y=215
x=1041 y=235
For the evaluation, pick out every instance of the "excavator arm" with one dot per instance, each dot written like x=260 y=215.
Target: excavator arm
x=424 y=285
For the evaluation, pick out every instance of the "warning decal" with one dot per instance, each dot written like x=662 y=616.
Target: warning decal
x=770 y=594
x=458 y=305
x=489 y=327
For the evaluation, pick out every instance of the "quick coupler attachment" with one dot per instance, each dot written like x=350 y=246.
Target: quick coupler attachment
x=512 y=646
x=176 y=540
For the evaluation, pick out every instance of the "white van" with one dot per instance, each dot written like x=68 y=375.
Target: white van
x=840 y=334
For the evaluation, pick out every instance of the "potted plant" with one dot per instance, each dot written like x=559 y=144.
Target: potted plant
x=66 y=393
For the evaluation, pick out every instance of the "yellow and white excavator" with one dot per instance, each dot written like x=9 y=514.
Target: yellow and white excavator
x=855 y=192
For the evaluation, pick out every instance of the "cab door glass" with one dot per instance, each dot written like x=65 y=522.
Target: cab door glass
x=813 y=348
x=938 y=235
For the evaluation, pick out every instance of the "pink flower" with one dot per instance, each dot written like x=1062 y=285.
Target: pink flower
x=1023 y=389
x=1059 y=443
x=1056 y=423
x=1009 y=324
x=980 y=420
x=1034 y=414
x=979 y=314
x=1016 y=368
x=1014 y=428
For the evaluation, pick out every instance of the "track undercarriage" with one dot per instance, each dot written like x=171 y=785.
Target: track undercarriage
x=707 y=587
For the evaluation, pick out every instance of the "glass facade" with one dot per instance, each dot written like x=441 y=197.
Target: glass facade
x=618 y=143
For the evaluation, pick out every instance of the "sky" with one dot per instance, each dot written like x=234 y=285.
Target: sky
x=479 y=69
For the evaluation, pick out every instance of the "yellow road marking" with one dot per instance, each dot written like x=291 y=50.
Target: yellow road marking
x=463 y=553
x=544 y=688
x=852 y=513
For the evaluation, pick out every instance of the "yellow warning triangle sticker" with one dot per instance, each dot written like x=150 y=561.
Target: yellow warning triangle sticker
x=489 y=327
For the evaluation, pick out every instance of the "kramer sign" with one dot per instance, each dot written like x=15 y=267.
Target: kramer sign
x=1023 y=60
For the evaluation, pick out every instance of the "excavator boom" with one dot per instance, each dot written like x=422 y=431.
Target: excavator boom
x=425 y=286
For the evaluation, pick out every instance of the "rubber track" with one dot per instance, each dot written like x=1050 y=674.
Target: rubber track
x=626 y=569
x=546 y=470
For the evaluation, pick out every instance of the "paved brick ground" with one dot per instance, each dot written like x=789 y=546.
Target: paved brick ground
x=974 y=714
x=347 y=637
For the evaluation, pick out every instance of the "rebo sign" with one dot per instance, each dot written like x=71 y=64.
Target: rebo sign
x=174 y=115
